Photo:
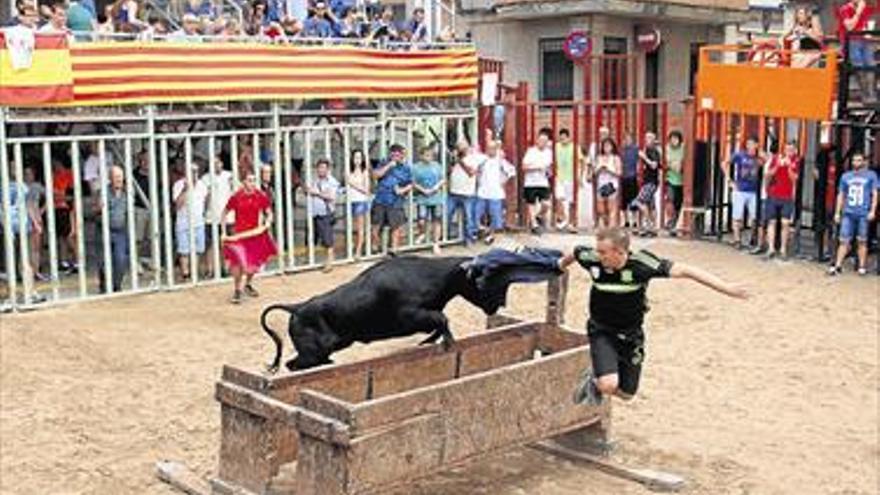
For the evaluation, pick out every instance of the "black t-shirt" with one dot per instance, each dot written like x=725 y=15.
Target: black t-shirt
x=143 y=181
x=617 y=298
x=651 y=175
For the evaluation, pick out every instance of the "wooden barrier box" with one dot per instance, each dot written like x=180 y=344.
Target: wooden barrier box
x=366 y=426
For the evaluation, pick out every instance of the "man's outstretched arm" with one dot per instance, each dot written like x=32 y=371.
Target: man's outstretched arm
x=681 y=270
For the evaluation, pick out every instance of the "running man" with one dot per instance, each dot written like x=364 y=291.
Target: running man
x=617 y=310
x=856 y=208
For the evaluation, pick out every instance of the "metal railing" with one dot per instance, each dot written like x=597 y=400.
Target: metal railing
x=148 y=255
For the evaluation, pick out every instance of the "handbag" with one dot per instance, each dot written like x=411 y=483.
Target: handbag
x=607 y=190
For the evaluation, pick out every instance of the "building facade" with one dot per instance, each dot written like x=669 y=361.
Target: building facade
x=529 y=35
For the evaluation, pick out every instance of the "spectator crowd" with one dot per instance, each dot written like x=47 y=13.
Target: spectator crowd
x=231 y=20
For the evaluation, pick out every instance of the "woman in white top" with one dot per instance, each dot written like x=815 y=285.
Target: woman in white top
x=358 y=188
x=608 y=170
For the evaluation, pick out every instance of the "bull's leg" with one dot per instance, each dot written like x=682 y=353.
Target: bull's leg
x=430 y=321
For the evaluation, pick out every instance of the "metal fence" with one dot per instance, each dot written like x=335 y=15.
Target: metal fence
x=57 y=243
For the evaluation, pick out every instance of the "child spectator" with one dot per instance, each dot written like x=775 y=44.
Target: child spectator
x=494 y=174
x=428 y=182
x=322 y=195
x=856 y=208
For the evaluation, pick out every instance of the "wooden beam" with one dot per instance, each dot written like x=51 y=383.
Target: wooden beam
x=178 y=476
x=656 y=480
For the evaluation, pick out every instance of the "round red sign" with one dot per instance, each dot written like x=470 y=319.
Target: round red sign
x=577 y=46
x=648 y=38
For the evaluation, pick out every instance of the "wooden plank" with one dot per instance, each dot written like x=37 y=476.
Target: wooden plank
x=399 y=377
x=244 y=378
x=178 y=476
x=513 y=348
x=555 y=339
x=325 y=405
x=656 y=480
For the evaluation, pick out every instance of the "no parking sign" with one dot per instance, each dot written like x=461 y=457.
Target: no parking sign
x=577 y=46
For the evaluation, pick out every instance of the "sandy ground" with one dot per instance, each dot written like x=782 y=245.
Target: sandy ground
x=775 y=395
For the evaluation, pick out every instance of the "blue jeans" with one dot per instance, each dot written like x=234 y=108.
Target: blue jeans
x=495 y=208
x=118 y=259
x=466 y=204
x=860 y=53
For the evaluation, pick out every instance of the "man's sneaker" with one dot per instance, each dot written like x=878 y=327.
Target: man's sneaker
x=250 y=291
x=587 y=393
x=236 y=297
x=757 y=251
x=833 y=271
x=863 y=271
x=771 y=255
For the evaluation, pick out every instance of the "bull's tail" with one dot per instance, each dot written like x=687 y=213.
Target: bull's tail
x=290 y=308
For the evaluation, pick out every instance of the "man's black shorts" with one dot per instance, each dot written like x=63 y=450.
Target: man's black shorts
x=534 y=194
x=621 y=353
x=392 y=216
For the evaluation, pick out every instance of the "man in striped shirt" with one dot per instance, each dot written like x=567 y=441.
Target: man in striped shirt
x=617 y=309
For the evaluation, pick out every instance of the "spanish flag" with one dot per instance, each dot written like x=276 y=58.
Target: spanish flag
x=42 y=77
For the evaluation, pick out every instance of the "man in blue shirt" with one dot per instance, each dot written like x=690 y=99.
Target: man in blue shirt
x=856 y=208
x=394 y=181
x=741 y=172
x=321 y=24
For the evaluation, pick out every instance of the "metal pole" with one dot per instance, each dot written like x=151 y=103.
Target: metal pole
x=278 y=200
x=444 y=150
x=27 y=275
x=166 y=215
x=191 y=210
x=105 y=216
x=410 y=230
x=8 y=244
x=154 y=198
x=255 y=158
x=78 y=219
x=346 y=167
x=215 y=221
x=132 y=238
x=368 y=226
x=310 y=228
x=289 y=219
x=50 y=220
x=233 y=157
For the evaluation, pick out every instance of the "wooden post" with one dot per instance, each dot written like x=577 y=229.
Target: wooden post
x=557 y=291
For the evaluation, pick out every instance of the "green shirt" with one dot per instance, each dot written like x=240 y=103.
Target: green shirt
x=675 y=159
x=565 y=162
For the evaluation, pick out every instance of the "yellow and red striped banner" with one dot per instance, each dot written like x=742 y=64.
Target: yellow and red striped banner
x=49 y=79
x=134 y=72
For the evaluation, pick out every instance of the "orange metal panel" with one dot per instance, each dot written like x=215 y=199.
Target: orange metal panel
x=802 y=93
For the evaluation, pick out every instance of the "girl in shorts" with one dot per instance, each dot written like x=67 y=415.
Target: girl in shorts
x=358 y=183
x=608 y=169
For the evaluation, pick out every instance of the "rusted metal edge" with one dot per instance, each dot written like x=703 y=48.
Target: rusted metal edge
x=399 y=357
x=307 y=422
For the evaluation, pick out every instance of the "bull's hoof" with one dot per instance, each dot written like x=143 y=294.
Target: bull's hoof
x=448 y=342
x=272 y=369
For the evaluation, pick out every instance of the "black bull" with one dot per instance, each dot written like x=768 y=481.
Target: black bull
x=397 y=297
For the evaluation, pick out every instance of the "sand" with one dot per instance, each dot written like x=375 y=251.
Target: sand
x=775 y=395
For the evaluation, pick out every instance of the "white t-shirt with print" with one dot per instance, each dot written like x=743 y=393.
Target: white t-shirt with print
x=540 y=158
x=220 y=188
x=494 y=173
x=459 y=181
x=197 y=196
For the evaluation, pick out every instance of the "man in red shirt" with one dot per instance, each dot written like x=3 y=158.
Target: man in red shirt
x=854 y=16
x=781 y=174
